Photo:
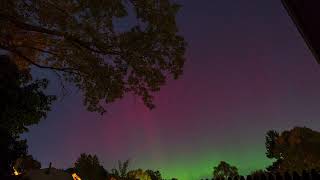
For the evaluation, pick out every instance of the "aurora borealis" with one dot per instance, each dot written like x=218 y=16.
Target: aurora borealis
x=248 y=70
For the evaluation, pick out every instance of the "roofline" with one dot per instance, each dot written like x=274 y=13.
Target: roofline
x=300 y=28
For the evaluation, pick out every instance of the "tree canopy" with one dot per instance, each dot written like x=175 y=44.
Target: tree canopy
x=224 y=170
x=105 y=47
x=88 y=167
x=294 y=150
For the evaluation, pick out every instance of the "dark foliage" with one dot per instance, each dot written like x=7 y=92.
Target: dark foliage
x=224 y=170
x=295 y=176
x=271 y=176
x=10 y=149
x=287 y=176
x=294 y=150
x=154 y=175
x=88 y=167
x=305 y=175
x=279 y=176
x=26 y=163
x=89 y=45
x=22 y=104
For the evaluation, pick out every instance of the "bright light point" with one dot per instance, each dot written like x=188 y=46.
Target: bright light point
x=15 y=172
x=75 y=176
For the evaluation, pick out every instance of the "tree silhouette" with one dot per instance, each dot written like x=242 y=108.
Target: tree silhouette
x=11 y=148
x=22 y=104
x=294 y=150
x=263 y=176
x=224 y=170
x=257 y=173
x=249 y=177
x=155 y=175
x=256 y=177
x=26 y=163
x=122 y=171
x=139 y=174
x=88 y=167
x=106 y=48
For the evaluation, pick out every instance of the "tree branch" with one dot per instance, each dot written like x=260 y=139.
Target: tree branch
x=41 y=50
x=29 y=27
x=64 y=90
x=57 y=7
x=67 y=70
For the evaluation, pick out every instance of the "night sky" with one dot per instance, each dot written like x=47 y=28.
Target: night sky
x=248 y=71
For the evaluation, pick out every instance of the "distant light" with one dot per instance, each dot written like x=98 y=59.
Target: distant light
x=15 y=172
x=75 y=176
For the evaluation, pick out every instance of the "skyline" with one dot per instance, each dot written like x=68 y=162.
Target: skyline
x=248 y=70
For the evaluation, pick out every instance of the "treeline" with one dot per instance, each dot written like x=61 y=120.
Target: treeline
x=88 y=167
x=312 y=175
x=295 y=152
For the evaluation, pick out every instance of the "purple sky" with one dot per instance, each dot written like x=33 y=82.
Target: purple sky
x=248 y=71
